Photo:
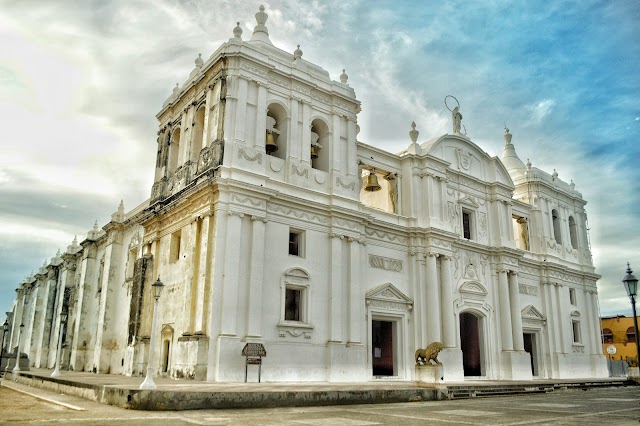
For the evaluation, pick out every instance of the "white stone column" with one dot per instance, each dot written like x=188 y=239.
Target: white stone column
x=352 y=154
x=337 y=162
x=261 y=117
x=505 y=311
x=433 y=299
x=241 y=110
x=561 y=319
x=552 y=321
x=254 y=309
x=231 y=274
x=305 y=137
x=446 y=292
x=335 y=289
x=355 y=298
x=294 y=131
x=420 y=264
x=202 y=274
x=430 y=204
x=592 y=297
x=208 y=107
x=516 y=315
x=82 y=313
x=30 y=329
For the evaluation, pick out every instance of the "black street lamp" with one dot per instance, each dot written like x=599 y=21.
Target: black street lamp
x=631 y=285
x=5 y=328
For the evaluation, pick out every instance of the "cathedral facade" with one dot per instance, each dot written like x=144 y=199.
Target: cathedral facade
x=269 y=222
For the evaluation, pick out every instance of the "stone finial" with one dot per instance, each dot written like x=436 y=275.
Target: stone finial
x=93 y=234
x=260 y=32
x=176 y=89
x=413 y=134
x=507 y=136
x=554 y=176
x=237 y=31
x=297 y=54
x=74 y=247
x=572 y=185
x=261 y=17
x=199 y=62
x=528 y=164
x=344 y=77
x=118 y=216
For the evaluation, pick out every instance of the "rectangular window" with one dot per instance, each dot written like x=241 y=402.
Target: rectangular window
x=467 y=225
x=572 y=296
x=292 y=305
x=576 y=332
x=296 y=242
x=174 y=249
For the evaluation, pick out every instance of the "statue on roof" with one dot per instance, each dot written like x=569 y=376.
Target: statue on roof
x=456 y=116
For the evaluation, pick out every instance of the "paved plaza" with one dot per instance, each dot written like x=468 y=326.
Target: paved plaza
x=21 y=404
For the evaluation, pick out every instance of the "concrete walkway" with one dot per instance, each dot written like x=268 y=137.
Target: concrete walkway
x=174 y=394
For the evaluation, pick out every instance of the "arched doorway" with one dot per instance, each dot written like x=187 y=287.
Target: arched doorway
x=471 y=344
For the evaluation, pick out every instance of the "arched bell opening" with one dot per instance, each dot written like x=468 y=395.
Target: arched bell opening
x=198 y=134
x=174 y=151
x=276 y=131
x=379 y=189
x=319 y=145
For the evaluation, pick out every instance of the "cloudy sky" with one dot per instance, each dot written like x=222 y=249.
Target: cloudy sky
x=81 y=82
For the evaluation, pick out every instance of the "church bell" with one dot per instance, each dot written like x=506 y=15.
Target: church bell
x=372 y=182
x=314 y=154
x=270 y=145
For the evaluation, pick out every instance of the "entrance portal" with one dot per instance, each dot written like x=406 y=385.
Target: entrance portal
x=382 y=348
x=531 y=349
x=470 y=333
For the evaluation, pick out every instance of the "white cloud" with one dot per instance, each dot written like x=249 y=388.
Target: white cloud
x=541 y=109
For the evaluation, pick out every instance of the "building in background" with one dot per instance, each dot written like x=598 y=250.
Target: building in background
x=269 y=222
x=618 y=331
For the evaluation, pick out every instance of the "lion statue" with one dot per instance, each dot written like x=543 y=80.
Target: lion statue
x=430 y=353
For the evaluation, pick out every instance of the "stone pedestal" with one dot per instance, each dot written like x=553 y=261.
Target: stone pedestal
x=451 y=359
x=516 y=365
x=429 y=374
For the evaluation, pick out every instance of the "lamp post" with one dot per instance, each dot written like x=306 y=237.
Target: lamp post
x=631 y=285
x=63 y=321
x=5 y=328
x=16 y=368
x=148 y=382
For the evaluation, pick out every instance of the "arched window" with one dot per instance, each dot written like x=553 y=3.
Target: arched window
x=174 y=151
x=556 y=226
x=631 y=334
x=607 y=335
x=319 y=145
x=198 y=133
x=276 y=132
x=573 y=232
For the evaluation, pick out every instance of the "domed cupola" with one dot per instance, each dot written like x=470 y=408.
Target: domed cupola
x=510 y=159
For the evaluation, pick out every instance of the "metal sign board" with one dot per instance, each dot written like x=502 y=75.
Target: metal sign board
x=254 y=349
x=611 y=350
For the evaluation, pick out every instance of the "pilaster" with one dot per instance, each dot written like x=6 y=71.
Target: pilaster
x=505 y=311
x=433 y=299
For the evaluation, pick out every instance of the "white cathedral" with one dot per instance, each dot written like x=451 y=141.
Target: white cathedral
x=269 y=222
